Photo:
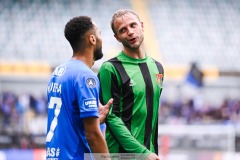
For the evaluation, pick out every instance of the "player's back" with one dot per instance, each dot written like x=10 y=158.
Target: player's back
x=67 y=93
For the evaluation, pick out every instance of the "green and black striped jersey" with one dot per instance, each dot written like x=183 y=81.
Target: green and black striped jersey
x=136 y=86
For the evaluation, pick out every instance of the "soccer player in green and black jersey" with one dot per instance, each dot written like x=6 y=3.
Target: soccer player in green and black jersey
x=134 y=80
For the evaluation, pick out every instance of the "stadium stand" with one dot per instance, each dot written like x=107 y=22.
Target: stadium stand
x=207 y=32
x=33 y=30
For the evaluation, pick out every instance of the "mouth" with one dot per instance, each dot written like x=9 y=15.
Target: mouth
x=132 y=40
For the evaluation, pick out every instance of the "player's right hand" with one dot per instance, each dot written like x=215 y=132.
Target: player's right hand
x=153 y=156
x=103 y=110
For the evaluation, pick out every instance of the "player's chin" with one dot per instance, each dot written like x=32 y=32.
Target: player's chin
x=98 y=55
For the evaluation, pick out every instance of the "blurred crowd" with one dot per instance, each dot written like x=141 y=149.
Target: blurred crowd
x=188 y=111
x=27 y=113
x=24 y=116
x=22 y=120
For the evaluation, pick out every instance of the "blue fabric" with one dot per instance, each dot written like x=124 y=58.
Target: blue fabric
x=72 y=95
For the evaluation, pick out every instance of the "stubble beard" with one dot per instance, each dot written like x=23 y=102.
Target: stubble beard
x=98 y=54
x=133 y=47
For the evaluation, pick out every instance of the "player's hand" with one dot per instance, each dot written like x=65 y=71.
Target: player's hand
x=103 y=110
x=153 y=156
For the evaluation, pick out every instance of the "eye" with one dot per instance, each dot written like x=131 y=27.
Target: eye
x=122 y=30
x=133 y=24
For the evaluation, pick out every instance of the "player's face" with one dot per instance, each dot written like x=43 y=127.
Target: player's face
x=98 y=54
x=129 y=31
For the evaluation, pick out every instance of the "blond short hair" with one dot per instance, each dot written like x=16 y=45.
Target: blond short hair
x=120 y=13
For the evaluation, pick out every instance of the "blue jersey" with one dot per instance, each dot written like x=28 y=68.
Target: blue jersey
x=73 y=94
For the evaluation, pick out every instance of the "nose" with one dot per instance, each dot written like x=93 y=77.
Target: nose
x=130 y=32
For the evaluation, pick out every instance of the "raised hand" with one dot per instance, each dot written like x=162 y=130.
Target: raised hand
x=103 y=110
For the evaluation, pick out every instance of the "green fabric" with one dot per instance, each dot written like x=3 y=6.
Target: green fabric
x=117 y=134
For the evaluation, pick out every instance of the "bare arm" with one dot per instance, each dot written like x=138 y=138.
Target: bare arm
x=94 y=135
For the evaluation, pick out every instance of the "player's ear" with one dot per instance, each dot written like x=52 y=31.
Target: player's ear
x=117 y=38
x=92 y=39
x=142 y=26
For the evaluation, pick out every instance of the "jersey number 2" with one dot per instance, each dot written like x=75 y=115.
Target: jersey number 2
x=58 y=102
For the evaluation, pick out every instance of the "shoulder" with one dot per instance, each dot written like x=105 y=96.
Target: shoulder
x=110 y=64
x=87 y=80
x=158 y=64
x=88 y=73
x=81 y=73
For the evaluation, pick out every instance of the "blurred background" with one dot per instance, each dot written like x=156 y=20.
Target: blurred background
x=197 y=42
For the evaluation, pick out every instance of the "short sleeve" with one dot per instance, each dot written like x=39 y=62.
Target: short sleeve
x=87 y=89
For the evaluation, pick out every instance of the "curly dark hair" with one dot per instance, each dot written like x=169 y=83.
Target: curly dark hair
x=75 y=30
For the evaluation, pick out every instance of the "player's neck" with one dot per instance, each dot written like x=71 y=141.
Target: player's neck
x=135 y=53
x=88 y=60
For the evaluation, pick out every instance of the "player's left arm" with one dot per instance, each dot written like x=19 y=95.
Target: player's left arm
x=94 y=136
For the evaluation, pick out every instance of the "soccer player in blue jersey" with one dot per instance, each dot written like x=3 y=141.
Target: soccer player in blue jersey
x=74 y=116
